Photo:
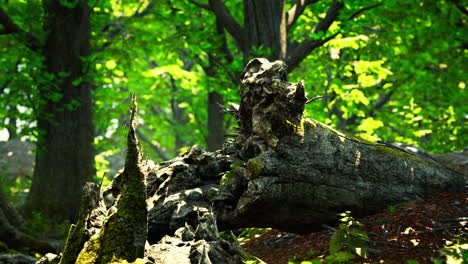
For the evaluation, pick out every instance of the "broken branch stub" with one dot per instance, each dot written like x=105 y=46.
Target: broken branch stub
x=123 y=234
x=270 y=109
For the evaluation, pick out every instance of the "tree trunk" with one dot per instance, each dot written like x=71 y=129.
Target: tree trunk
x=178 y=115
x=265 y=21
x=65 y=155
x=215 y=121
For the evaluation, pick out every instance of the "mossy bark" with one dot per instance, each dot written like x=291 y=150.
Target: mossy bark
x=124 y=232
x=306 y=172
x=92 y=213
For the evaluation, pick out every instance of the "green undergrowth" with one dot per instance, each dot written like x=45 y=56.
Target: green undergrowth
x=43 y=227
x=242 y=235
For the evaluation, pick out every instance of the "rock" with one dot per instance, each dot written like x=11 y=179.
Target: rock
x=16 y=259
x=170 y=250
x=49 y=258
x=16 y=157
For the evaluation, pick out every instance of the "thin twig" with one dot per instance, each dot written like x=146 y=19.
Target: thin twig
x=393 y=244
x=376 y=223
x=444 y=228
x=315 y=98
x=328 y=227
x=460 y=219
x=360 y=11
x=204 y=6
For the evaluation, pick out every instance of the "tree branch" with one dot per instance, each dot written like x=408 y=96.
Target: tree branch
x=296 y=11
x=162 y=154
x=332 y=14
x=119 y=27
x=204 y=6
x=303 y=49
x=459 y=6
x=10 y=27
x=228 y=21
x=360 y=11
x=299 y=53
x=145 y=11
x=383 y=99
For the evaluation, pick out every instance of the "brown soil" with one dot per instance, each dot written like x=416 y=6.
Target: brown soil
x=414 y=231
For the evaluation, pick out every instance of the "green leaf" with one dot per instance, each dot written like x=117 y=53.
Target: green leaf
x=77 y=81
x=63 y=74
x=111 y=64
x=337 y=241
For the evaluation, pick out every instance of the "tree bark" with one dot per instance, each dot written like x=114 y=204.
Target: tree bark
x=65 y=155
x=301 y=173
x=215 y=121
x=266 y=24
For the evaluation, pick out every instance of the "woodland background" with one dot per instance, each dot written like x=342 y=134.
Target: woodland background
x=387 y=70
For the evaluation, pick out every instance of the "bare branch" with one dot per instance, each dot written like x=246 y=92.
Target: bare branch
x=145 y=11
x=116 y=27
x=332 y=14
x=299 y=53
x=204 y=6
x=459 y=6
x=360 y=11
x=227 y=20
x=162 y=154
x=303 y=49
x=315 y=98
x=383 y=99
x=296 y=11
x=10 y=27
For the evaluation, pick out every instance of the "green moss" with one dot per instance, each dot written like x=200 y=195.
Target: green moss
x=228 y=177
x=123 y=234
x=4 y=248
x=76 y=235
x=248 y=258
x=119 y=236
x=254 y=168
x=343 y=135
x=293 y=128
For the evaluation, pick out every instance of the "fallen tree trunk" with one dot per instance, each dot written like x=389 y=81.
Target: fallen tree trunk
x=282 y=171
x=302 y=173
x=292 y=174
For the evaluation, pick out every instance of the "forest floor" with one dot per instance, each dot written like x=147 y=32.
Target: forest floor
x=414 y=230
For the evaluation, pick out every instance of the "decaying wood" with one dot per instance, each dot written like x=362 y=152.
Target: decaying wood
x=123 y=233
x=303 y=173
x=282 y=171
x=90 y=220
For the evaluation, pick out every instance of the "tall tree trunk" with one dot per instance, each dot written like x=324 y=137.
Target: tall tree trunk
x=178 y=115
x=215 y=121
x=266 y=24
x=64 y=158
x=216 y=129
